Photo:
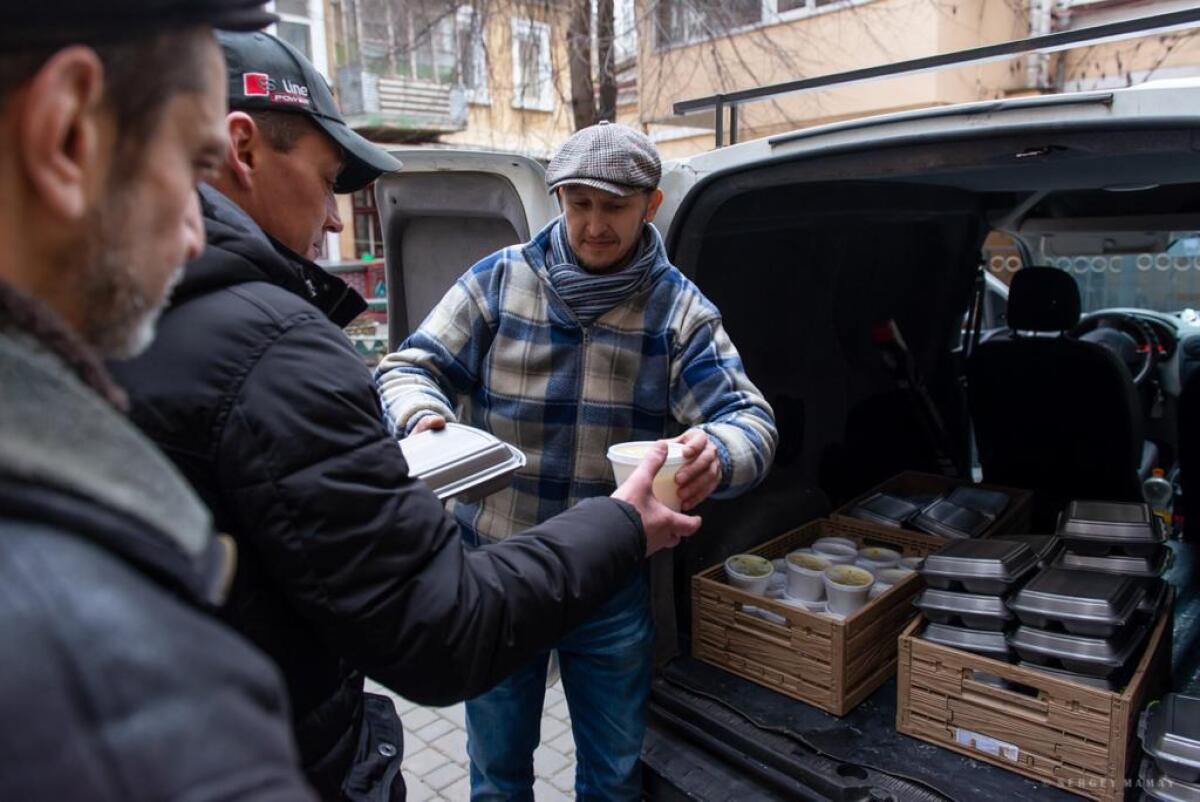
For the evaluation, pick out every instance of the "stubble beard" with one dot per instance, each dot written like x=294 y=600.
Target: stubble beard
x=120 y=316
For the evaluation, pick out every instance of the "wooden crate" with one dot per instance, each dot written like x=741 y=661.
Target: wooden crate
x=1016 y=518
x=828 y=663
x=1072 y=736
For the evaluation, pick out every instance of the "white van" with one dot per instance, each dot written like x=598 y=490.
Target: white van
x=807 y=240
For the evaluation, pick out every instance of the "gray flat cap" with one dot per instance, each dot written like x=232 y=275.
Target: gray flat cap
x=608 y=156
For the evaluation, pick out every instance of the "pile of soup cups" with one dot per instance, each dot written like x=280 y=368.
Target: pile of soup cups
x=833 y=575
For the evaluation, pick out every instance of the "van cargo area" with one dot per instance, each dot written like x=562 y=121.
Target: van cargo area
x=855 y=267
x=804 y=255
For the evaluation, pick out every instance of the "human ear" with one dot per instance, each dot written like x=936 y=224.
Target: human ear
x=241 y=158
x=656 y=199
x=62 y=126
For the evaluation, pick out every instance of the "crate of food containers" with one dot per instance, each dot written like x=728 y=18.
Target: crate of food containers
x=773 y=629
x=940 y=507
x=1050 y=723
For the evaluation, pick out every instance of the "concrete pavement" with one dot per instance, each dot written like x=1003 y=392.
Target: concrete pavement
x=435 y=750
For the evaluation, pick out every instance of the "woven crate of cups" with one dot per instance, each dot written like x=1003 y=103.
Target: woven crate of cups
x=831 y=660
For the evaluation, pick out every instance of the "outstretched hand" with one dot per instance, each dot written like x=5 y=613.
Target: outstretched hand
x=663 y=526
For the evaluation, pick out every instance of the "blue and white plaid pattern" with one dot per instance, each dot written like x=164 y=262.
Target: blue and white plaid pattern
x=503 y=349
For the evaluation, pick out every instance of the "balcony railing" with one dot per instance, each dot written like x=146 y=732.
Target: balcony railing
x=390 y=108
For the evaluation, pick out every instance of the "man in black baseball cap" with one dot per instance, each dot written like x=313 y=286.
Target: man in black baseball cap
x=265 y=74
x=116 y=681
x=349 y=567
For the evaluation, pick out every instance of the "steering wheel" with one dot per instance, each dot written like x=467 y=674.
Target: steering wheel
x=1133 y=342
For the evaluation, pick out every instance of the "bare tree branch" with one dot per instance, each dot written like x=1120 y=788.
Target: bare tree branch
x=606 y=65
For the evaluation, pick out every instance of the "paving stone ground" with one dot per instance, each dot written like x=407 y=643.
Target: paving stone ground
x=435 y=750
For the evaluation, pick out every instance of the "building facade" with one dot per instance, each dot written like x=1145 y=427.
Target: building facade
x=694 y=49
x=494 y=75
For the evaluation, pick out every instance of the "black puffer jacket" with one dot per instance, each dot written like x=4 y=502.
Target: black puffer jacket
x=118 y=683
x=347 y=565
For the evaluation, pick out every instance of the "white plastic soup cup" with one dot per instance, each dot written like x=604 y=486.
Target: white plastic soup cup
x=876 y=558
x=847 y=587
x=749 y=572
x=836 y=553
x=841 y=541
x=805 y=576
x=624 y=457
x=887 y=578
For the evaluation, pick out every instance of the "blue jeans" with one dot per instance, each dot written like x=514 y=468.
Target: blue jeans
x=607 y=664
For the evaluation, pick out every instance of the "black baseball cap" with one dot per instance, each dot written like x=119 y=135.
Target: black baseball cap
x=268 y=74
x=47 y=23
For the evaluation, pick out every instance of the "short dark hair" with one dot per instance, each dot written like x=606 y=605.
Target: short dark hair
x=282 y=129
x=140 y=77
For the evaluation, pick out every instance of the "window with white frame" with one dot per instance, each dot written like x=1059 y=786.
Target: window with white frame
x=684 y=21
x=375 y=35
x=472 y=54
x=533 y=84
x=408 y=39
x=687 y=21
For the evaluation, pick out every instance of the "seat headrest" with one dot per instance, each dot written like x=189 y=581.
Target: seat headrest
x=1042 y=299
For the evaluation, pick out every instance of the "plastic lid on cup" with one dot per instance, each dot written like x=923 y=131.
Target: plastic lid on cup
x=633 y=452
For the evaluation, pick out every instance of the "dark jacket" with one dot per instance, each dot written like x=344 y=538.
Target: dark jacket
x=348 y=566
x=117 y=680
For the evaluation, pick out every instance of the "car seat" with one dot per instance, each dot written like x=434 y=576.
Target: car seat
x=1054 y=414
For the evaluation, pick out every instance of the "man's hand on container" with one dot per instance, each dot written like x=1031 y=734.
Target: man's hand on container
x=664 y=527
x=429 y=422
x=701 y=474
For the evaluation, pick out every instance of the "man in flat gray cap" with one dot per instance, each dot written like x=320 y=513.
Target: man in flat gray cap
x=584 y=337
x=117 y=681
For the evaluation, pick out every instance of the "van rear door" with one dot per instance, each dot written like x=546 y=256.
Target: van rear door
x=446 y=210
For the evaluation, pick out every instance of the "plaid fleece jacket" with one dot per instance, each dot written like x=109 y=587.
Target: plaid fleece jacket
x=505 y=351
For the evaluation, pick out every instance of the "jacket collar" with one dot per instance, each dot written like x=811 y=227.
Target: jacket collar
x=68 y=457
x=239 y=251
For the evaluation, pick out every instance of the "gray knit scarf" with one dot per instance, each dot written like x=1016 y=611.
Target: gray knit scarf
x=589 y=295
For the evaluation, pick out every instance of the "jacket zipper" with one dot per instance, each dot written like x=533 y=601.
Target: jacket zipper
x=580 y=371
x=585 y=344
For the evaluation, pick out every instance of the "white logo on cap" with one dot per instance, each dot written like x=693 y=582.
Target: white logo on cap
x=260 y=84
